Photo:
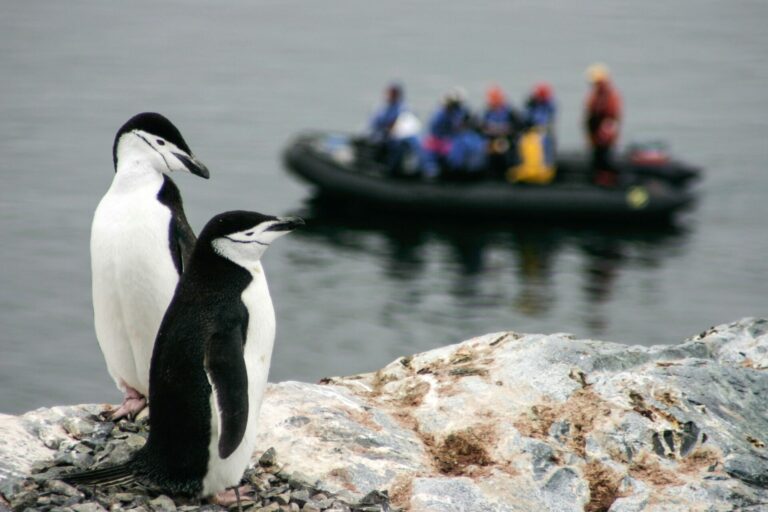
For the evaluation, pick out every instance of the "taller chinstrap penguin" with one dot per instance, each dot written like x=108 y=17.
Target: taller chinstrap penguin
x=209 y=366
x=140 y=243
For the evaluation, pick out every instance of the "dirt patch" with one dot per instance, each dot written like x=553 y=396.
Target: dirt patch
x=461 y=453
x=401 y=490
x=380 y=379
x=755 y=442
x=414 y=394
x=646 y=467
x=582 y=409
x=343 y=475
x=362 y=417
x=702 y=458
x=650 y=411
x=603 y=486
x=666 y=397
x=537 y=423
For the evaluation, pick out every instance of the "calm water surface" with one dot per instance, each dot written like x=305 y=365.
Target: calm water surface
x=239 y=78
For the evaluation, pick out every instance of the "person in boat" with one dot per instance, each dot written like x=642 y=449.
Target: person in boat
x=443 y=127
x=467 y=156
x=602 y=120
x=384 y=119
x=500 y=125
x=540 y=112
x=391 y=131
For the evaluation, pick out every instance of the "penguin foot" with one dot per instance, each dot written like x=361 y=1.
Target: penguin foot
x=232 y=496
x=133 y=403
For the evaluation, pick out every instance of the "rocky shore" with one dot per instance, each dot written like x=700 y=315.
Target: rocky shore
x=502 y=422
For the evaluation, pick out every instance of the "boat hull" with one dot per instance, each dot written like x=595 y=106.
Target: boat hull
x=341 y=179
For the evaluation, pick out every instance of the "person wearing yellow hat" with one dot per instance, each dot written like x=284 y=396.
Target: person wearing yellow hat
x=602 y=120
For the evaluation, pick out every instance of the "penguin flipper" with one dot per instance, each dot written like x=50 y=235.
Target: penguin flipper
x=226 y=371
x=184 y=238
x=181 y=237
x=105 y=477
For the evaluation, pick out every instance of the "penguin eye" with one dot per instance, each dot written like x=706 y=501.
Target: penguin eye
x=161 y=142
x=250 y=233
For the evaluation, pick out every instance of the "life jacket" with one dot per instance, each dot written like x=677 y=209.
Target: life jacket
x=533 y=167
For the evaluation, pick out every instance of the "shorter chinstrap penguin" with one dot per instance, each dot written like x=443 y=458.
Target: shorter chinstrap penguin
x=209 y=365
x=140 y=243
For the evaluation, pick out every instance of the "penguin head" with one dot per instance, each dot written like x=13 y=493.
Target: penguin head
x=242 y=237
x=151 y=137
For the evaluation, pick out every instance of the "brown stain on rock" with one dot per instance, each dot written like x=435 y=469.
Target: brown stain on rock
x=702 y=458
x=401 y=490
x=650 y=411
x=582 y=409
x=646 y=467
x=603 y=486
x=343 y=475
x=460 y=453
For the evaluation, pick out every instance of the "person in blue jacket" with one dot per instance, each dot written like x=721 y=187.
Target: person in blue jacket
x=467 y=156
x=385 y=118
x=388 y=147
x=444 y=125
x=540 y=112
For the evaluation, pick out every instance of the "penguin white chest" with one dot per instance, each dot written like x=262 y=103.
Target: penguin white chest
x=133 y=279
x=260 y=337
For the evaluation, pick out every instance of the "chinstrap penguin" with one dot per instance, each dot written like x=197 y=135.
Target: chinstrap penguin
x=140 y=243
x=209 y=365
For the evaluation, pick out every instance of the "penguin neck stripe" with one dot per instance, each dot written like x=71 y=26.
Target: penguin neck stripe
x=246 y=242
x=154 y=149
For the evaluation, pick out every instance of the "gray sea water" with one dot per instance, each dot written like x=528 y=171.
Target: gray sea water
x=239 y=78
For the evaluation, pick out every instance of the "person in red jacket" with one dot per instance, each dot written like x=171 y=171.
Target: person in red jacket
x=603 y=116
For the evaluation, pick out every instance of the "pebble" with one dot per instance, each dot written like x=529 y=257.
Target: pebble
x=163 y=503
x=88 y=507
x=268 y=458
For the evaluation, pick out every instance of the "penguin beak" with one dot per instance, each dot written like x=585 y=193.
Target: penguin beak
x=286 y=224
x=193 y=165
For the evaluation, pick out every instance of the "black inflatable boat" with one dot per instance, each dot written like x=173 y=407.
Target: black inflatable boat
x=334 y=164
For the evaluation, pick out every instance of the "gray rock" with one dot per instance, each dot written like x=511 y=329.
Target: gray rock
x=268 y=458
x=88 y=507
x=162 y=504
x=501 y=422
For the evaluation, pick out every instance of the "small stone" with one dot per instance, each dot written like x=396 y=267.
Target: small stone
x=310 y=507
x=135 y=441
x=73 y=458
x=375 y=498
x=125 y=497
x=300 y=496
x=268 y=458
x=163 y=504
x=78 y=427
x=59 y=487
x=88 y=507
x=298 y=480
x=283 y=499
x=272 y=507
